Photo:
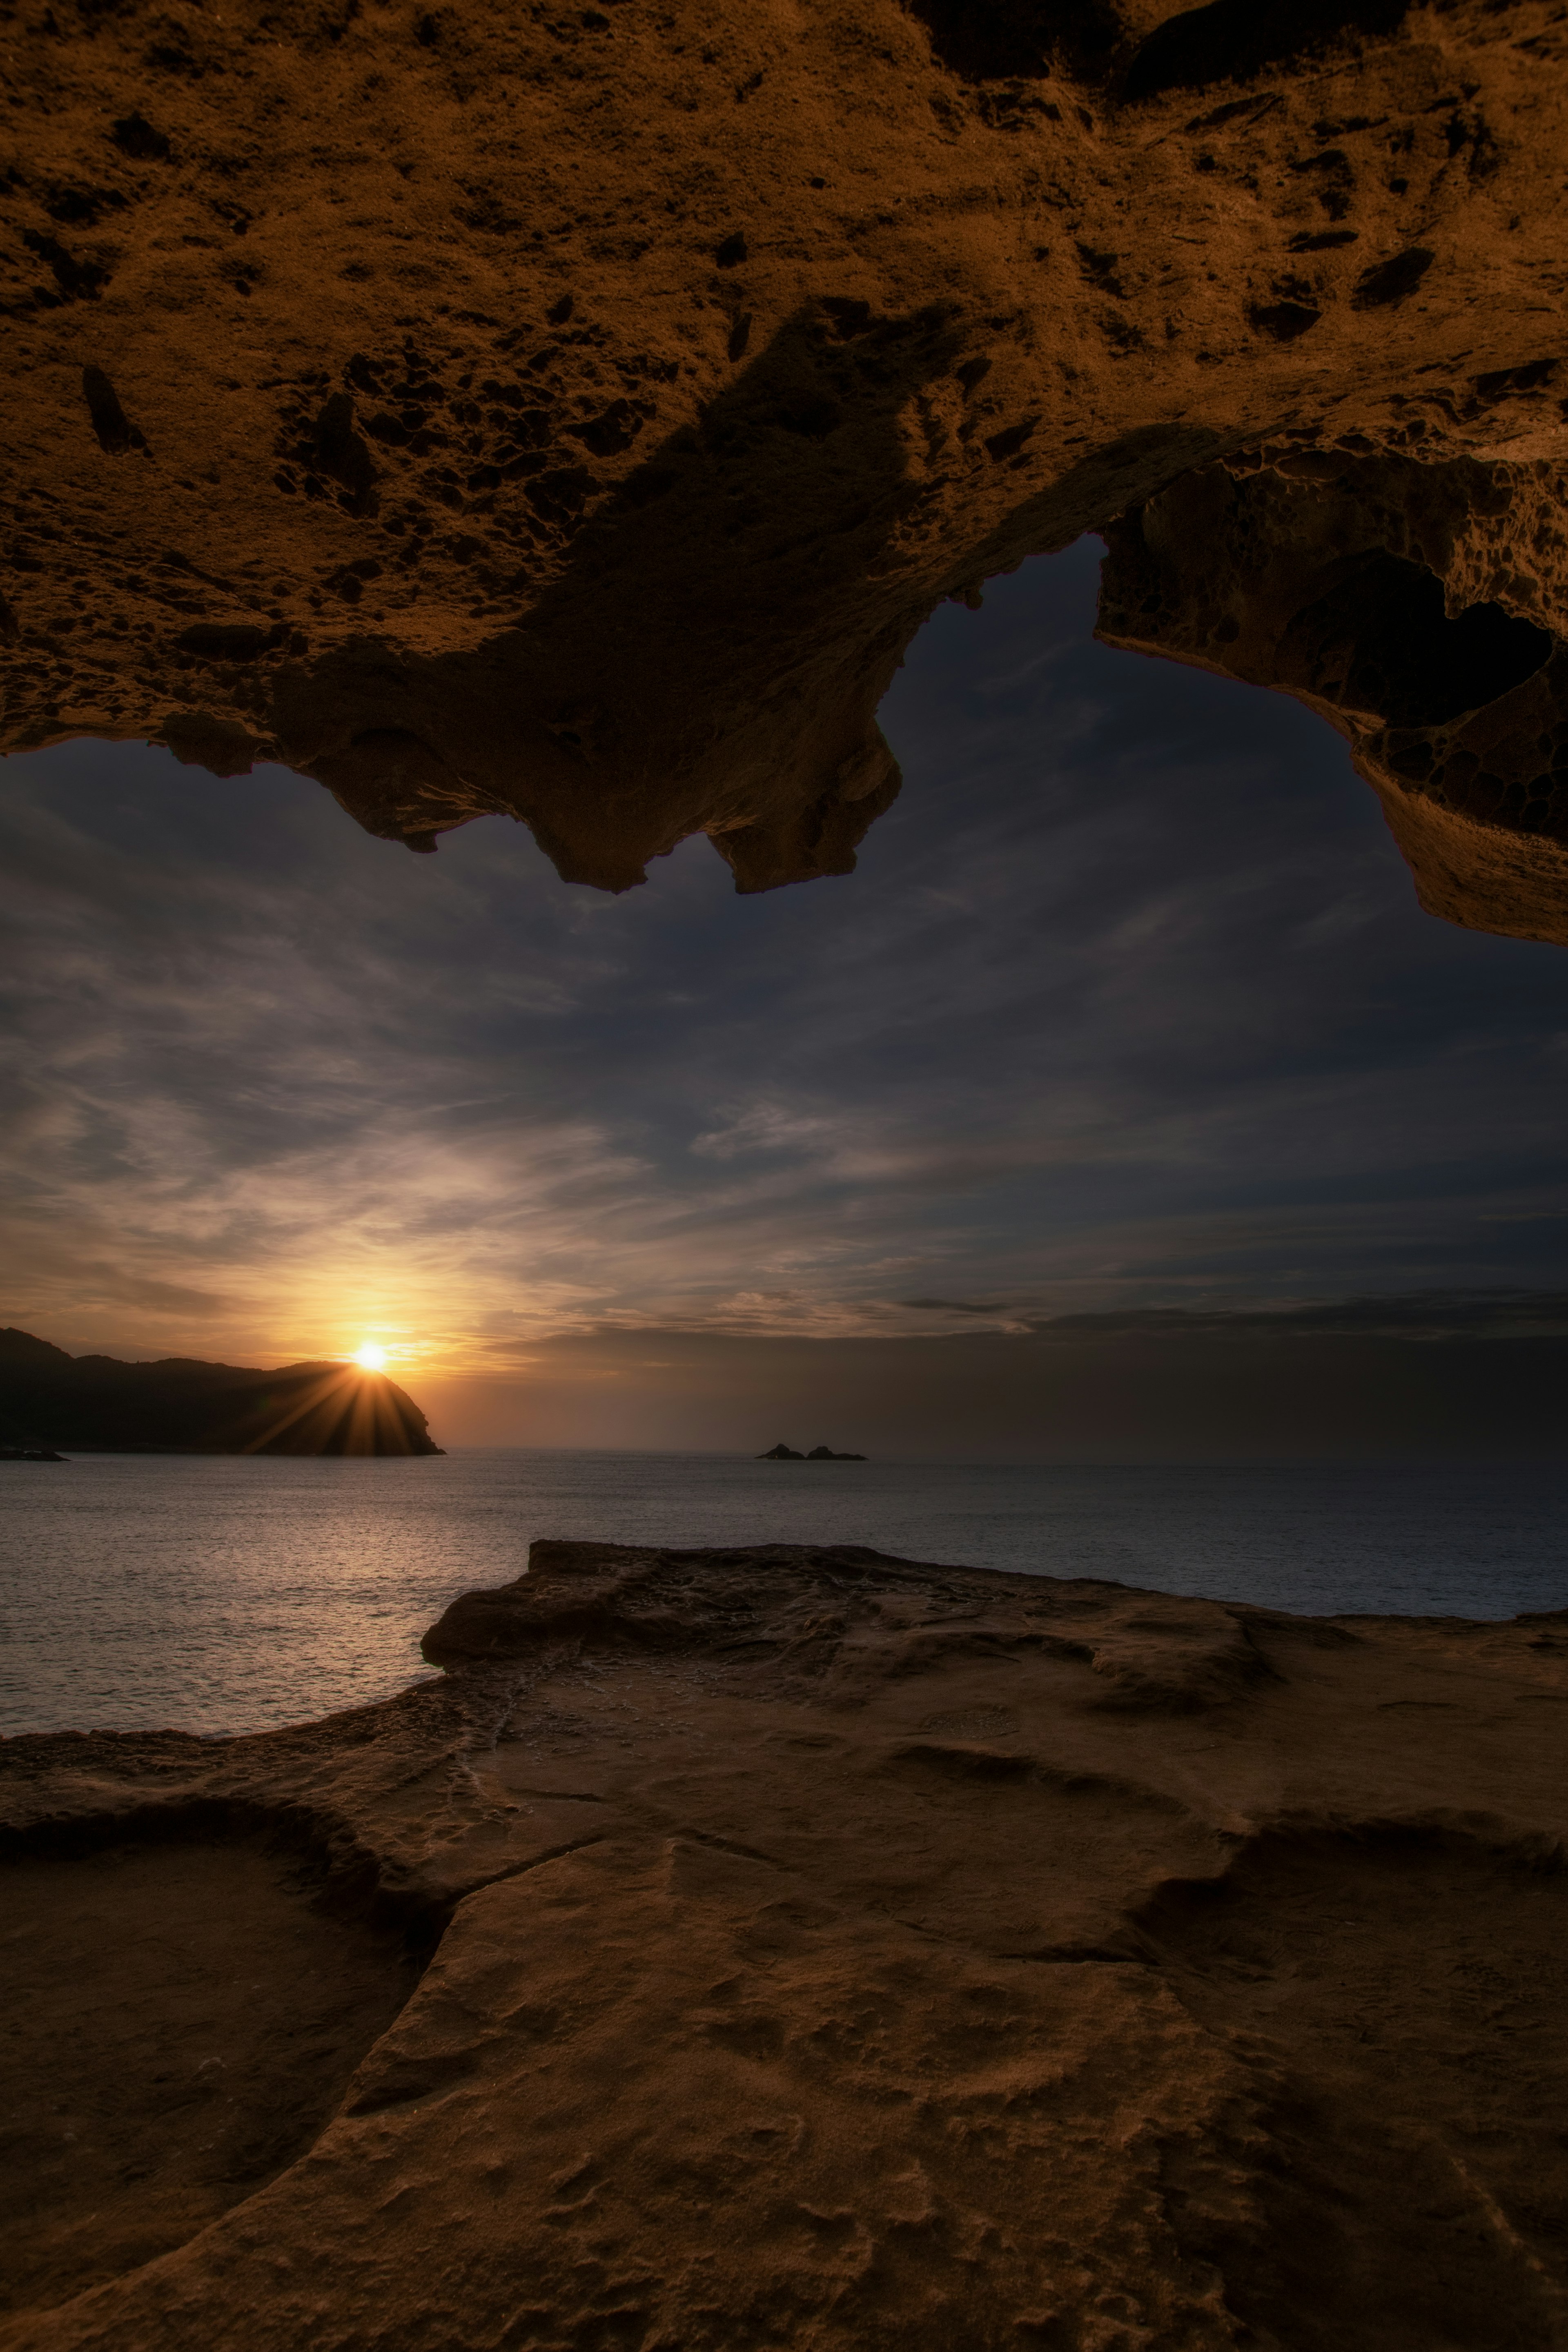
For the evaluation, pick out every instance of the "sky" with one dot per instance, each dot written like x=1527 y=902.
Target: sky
x=1123 y=1105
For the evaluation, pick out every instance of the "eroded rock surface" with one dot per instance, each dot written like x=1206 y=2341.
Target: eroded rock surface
x=574 y=413
x=1417 y=606
x=838 y=1951
x=183 y=2015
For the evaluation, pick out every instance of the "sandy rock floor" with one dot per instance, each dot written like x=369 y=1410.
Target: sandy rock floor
x=822 y=1950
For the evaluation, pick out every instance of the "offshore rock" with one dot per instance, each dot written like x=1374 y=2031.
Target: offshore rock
x=782 y=1453
x=574 y=413
x=797 y=1946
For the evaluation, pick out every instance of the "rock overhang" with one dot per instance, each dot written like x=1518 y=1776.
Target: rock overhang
x=576 y=418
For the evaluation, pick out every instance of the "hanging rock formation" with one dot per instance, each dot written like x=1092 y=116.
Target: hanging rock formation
x=1411 y=604
x=574 y=412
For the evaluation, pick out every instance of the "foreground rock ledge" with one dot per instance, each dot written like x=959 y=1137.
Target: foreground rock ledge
x=834 y=1950
x=574 y=413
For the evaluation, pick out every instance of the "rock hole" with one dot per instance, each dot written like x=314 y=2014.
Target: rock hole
x=183 y=2019
x=1503 y=381
x=78 y=281
x=1012 y=40
x=134 y=135
x=237 y=641
x=1323 y=240
x=116 y=434
x=1390 y=281
x=339 y=453
x=1283 y=322
x=1381 y=642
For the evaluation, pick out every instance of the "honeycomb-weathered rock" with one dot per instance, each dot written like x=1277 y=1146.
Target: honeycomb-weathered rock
x=1413 y=605
x=574 y=412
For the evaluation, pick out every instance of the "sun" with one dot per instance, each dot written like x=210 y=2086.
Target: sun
x=371 y=1358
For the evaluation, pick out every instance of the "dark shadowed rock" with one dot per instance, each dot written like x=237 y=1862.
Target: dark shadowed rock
x=96 y=1404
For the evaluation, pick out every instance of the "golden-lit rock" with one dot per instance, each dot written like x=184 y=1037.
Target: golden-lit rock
x=823 y=1949
x=575 y=412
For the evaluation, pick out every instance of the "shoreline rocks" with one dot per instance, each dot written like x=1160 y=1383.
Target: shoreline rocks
x=843 y=1951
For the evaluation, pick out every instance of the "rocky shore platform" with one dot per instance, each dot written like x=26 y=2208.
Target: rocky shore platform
x=801 y=1946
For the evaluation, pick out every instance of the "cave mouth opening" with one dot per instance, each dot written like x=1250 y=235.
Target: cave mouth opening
x=1018 y=41
x=1227 y=41
x=1383 y=641
x=1233 y=41
x=191 y=2001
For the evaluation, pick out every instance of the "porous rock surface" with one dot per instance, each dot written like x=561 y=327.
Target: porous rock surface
x=574 y=412
x=830 y=1950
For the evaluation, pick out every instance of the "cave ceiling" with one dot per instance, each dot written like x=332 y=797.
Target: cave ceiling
x=574 y=412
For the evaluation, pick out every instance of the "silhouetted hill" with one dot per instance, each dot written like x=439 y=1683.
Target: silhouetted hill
x=96 y=1404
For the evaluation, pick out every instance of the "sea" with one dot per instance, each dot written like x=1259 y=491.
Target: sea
x=221 y=1595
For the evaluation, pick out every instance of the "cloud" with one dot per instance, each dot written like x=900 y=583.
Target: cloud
x=1222 y=1393
x=766 y=1127
x=1419 y=1316
x=1129 y=1013
x=952 y=1307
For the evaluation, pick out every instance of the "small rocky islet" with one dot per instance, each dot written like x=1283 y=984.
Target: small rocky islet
x=782 y=1453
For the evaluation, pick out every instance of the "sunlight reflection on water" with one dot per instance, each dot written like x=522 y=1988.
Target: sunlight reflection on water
x=228 y=1594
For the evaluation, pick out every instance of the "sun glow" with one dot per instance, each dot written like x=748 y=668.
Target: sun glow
x=371 y=1359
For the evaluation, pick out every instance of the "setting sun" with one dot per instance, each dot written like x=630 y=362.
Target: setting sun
x=371 y=1358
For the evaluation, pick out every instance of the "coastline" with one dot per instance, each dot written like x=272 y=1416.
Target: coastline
x=820 y=1947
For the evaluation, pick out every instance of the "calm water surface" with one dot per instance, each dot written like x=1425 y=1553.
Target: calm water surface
x=224 y=1595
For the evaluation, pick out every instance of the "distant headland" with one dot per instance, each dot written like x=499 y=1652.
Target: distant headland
x=817 y=1454
x=51 y=1402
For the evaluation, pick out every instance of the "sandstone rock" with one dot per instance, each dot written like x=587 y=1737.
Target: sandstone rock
x=574 y=413
x=1413 y=605
x=820 y=1950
